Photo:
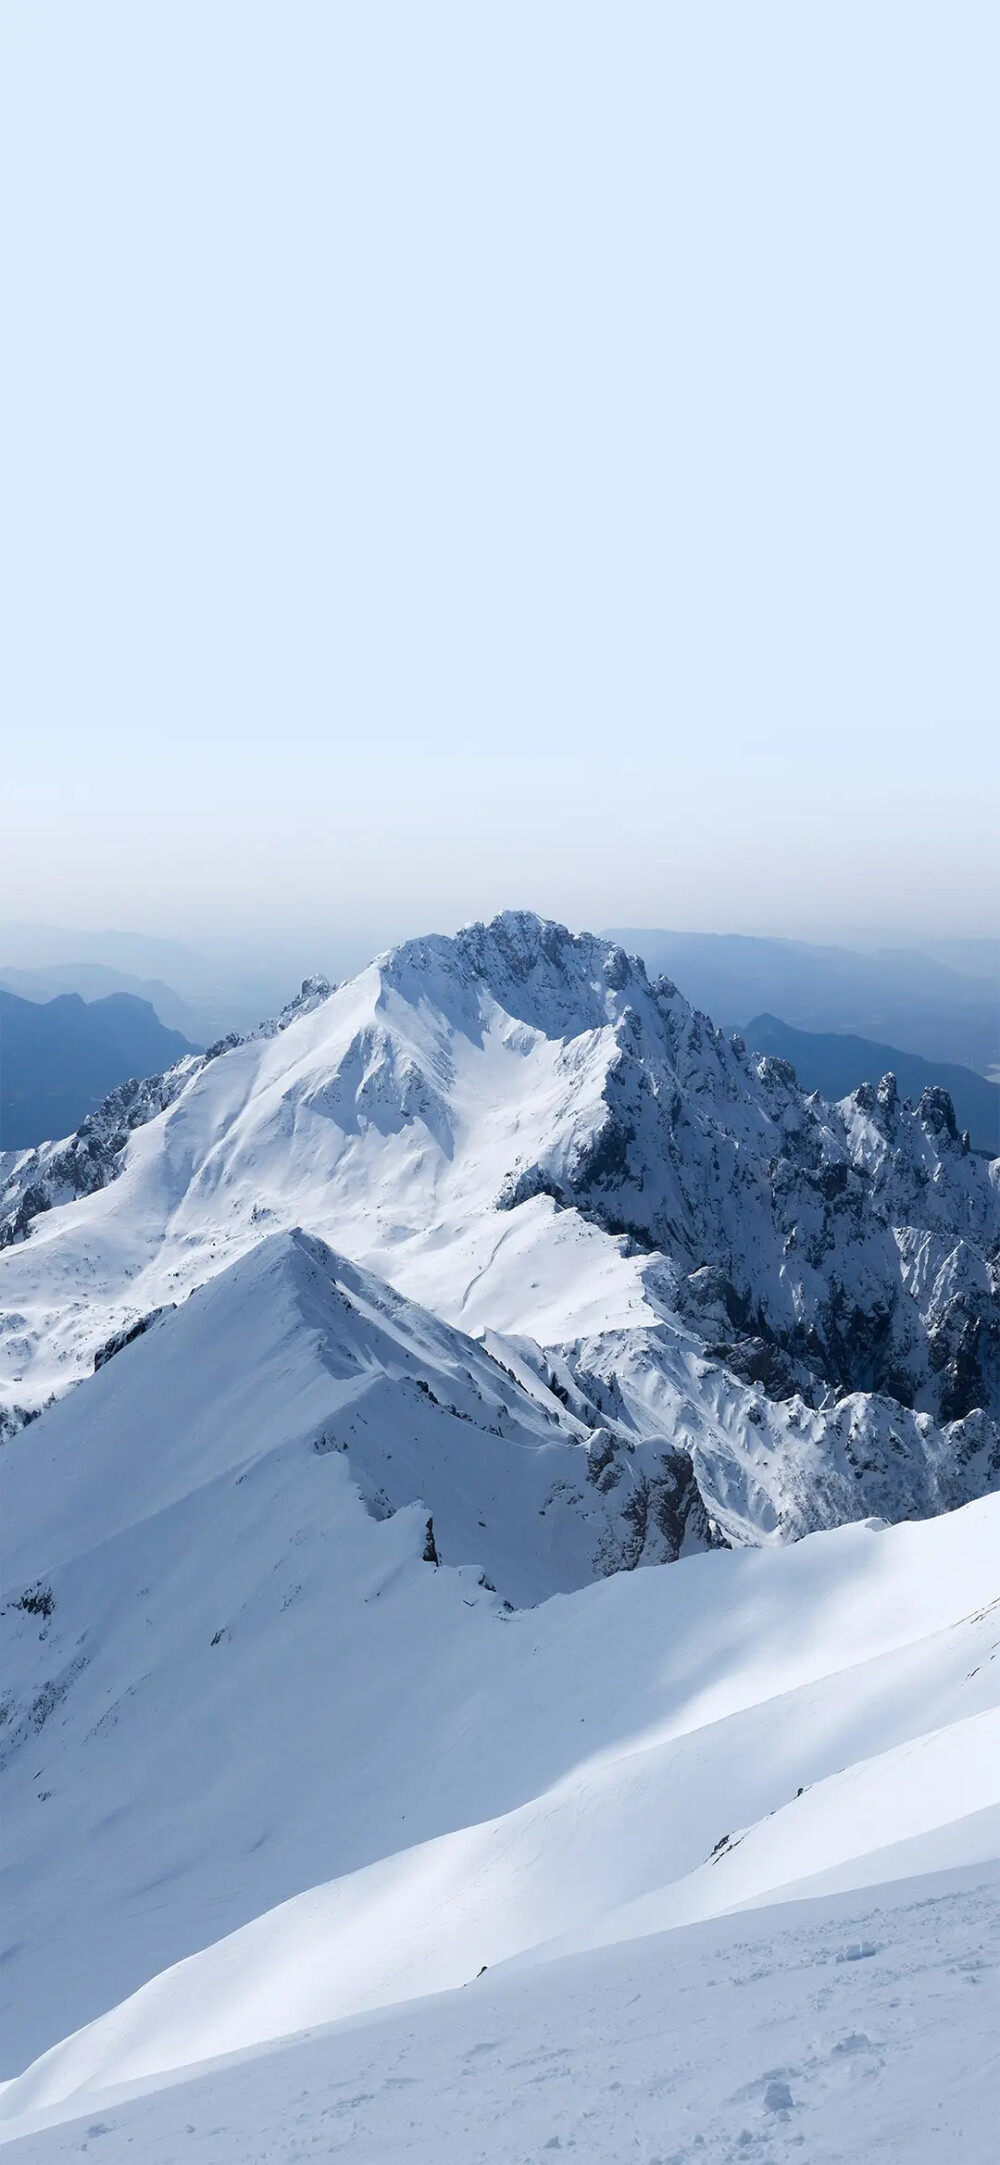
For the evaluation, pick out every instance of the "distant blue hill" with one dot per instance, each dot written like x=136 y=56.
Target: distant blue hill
x=896 y=996
x=834 y=1065
x=59 y=1058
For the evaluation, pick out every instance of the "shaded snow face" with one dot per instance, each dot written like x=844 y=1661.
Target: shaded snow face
x=520 y=1131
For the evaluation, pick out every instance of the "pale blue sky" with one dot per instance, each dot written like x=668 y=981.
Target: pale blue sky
x=480 y=455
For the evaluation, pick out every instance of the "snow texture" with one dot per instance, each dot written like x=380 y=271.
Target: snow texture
x=851 y=2028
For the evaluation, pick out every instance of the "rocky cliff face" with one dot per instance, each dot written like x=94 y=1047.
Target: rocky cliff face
x=846 y=1248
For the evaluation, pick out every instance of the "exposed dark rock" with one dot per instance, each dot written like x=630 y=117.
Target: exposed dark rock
x=59 y=1173
x=937 y=1111
x=122 y=1338
x=757 y=1360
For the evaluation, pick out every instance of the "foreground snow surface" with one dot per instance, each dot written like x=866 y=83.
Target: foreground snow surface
x=267 y=1711
x=845 y=2029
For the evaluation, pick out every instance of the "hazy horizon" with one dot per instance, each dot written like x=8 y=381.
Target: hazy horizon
x=342 y=950
x=469 y=459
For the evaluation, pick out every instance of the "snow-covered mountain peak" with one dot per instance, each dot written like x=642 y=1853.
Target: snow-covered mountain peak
x=519 y=1131
x=558 y=982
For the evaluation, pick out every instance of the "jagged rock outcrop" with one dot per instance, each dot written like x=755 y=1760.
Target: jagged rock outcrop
x=795 y=1225
x=33 y=1181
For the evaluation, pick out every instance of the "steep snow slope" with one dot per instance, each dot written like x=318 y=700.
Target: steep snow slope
x=202 y=1534
x=420 y=1923
x=856 y=2028
x=516 y=1129
x=232 y=1681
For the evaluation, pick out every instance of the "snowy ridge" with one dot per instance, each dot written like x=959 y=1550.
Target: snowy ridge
x=236 y=1515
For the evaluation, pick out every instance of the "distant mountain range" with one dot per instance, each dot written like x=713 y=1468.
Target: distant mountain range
x=939 y=999
x=841 y=1017
x=200 y=1018
x=834 y=1063
x=60 y=1058
x=93 y=981
x=205 y=995
x=895 y=996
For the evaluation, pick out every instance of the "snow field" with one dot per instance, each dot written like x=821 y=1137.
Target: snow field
x=387 y=1779
x=858 y=2027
